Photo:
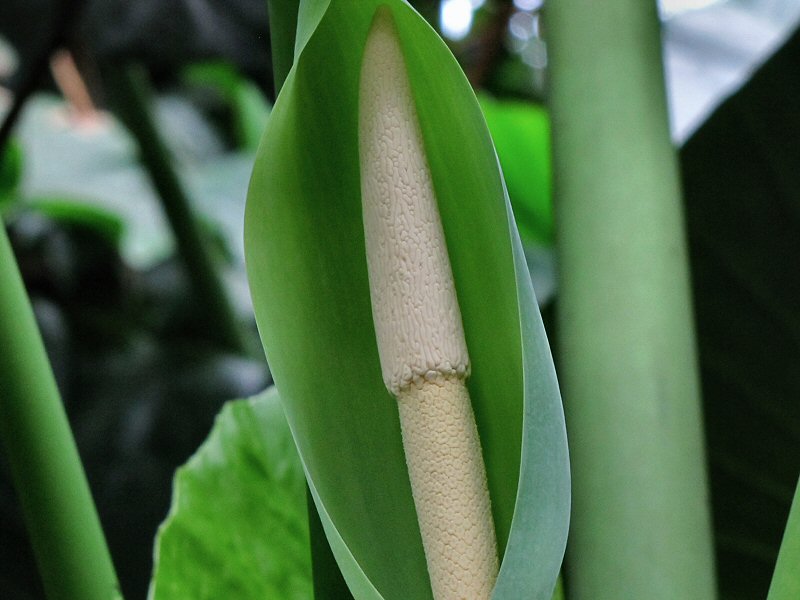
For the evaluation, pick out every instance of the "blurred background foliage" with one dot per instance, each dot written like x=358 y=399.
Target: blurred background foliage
x=142 y=376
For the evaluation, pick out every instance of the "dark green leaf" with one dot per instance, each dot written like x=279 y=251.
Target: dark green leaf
x=742 y=186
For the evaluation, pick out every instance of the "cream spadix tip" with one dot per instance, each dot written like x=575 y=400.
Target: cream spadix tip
x=420 y=336
x=414 y=305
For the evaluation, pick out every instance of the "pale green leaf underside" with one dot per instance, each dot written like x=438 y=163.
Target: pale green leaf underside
x=238 y=526
x=308 y=275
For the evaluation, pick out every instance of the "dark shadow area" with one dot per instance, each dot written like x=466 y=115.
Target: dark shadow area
x=741 y=174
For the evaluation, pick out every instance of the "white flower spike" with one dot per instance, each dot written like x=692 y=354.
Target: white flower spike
x=423 y=352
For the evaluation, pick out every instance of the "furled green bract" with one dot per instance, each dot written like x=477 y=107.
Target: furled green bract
x=307 y=266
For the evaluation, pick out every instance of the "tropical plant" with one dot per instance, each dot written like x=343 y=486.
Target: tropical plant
x=413 y=376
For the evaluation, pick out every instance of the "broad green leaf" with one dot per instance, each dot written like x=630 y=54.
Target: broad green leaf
x=237 y=527
x=306 y=262
x=521 y=135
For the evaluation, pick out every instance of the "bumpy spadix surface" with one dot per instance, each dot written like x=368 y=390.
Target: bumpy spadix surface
x=417 y=319
x=420 y=335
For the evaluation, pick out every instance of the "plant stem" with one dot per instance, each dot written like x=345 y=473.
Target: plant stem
x=786 y=579
x=640 y=526
x=65 y=530
x=282 y=27
x=132 y=98
x=329 y=584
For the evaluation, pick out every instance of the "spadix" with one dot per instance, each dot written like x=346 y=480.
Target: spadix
x=420 y=336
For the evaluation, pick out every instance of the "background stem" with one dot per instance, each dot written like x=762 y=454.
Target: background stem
x=130 y=94
x=65 y=530
x=640 y=524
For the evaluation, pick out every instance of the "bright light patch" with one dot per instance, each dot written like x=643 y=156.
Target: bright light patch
x=529 y=5
x=523 y=25
x=455 y=17
x=670 y=8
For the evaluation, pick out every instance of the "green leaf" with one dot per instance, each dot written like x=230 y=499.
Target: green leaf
x=250 y=109
x=786 y=581
x=306 y=261
x=521 y=134
x=105 y=222
x=11 y=166
x=237 y=527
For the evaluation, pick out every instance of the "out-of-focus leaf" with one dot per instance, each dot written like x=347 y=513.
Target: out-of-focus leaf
x=308 y=275
x=238 y=526
x=10 y=172
x=99 y=167
x=521 y=135
x=250 y=109
x=251 y=112
x=68 y=211
x=742 y=185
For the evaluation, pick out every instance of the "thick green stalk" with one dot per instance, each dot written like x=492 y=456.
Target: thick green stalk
x=62 y=522
x=786 y=579
x=640 y=524
x=131 y=96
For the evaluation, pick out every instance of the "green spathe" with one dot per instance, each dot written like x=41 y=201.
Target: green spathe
x=308 y=275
